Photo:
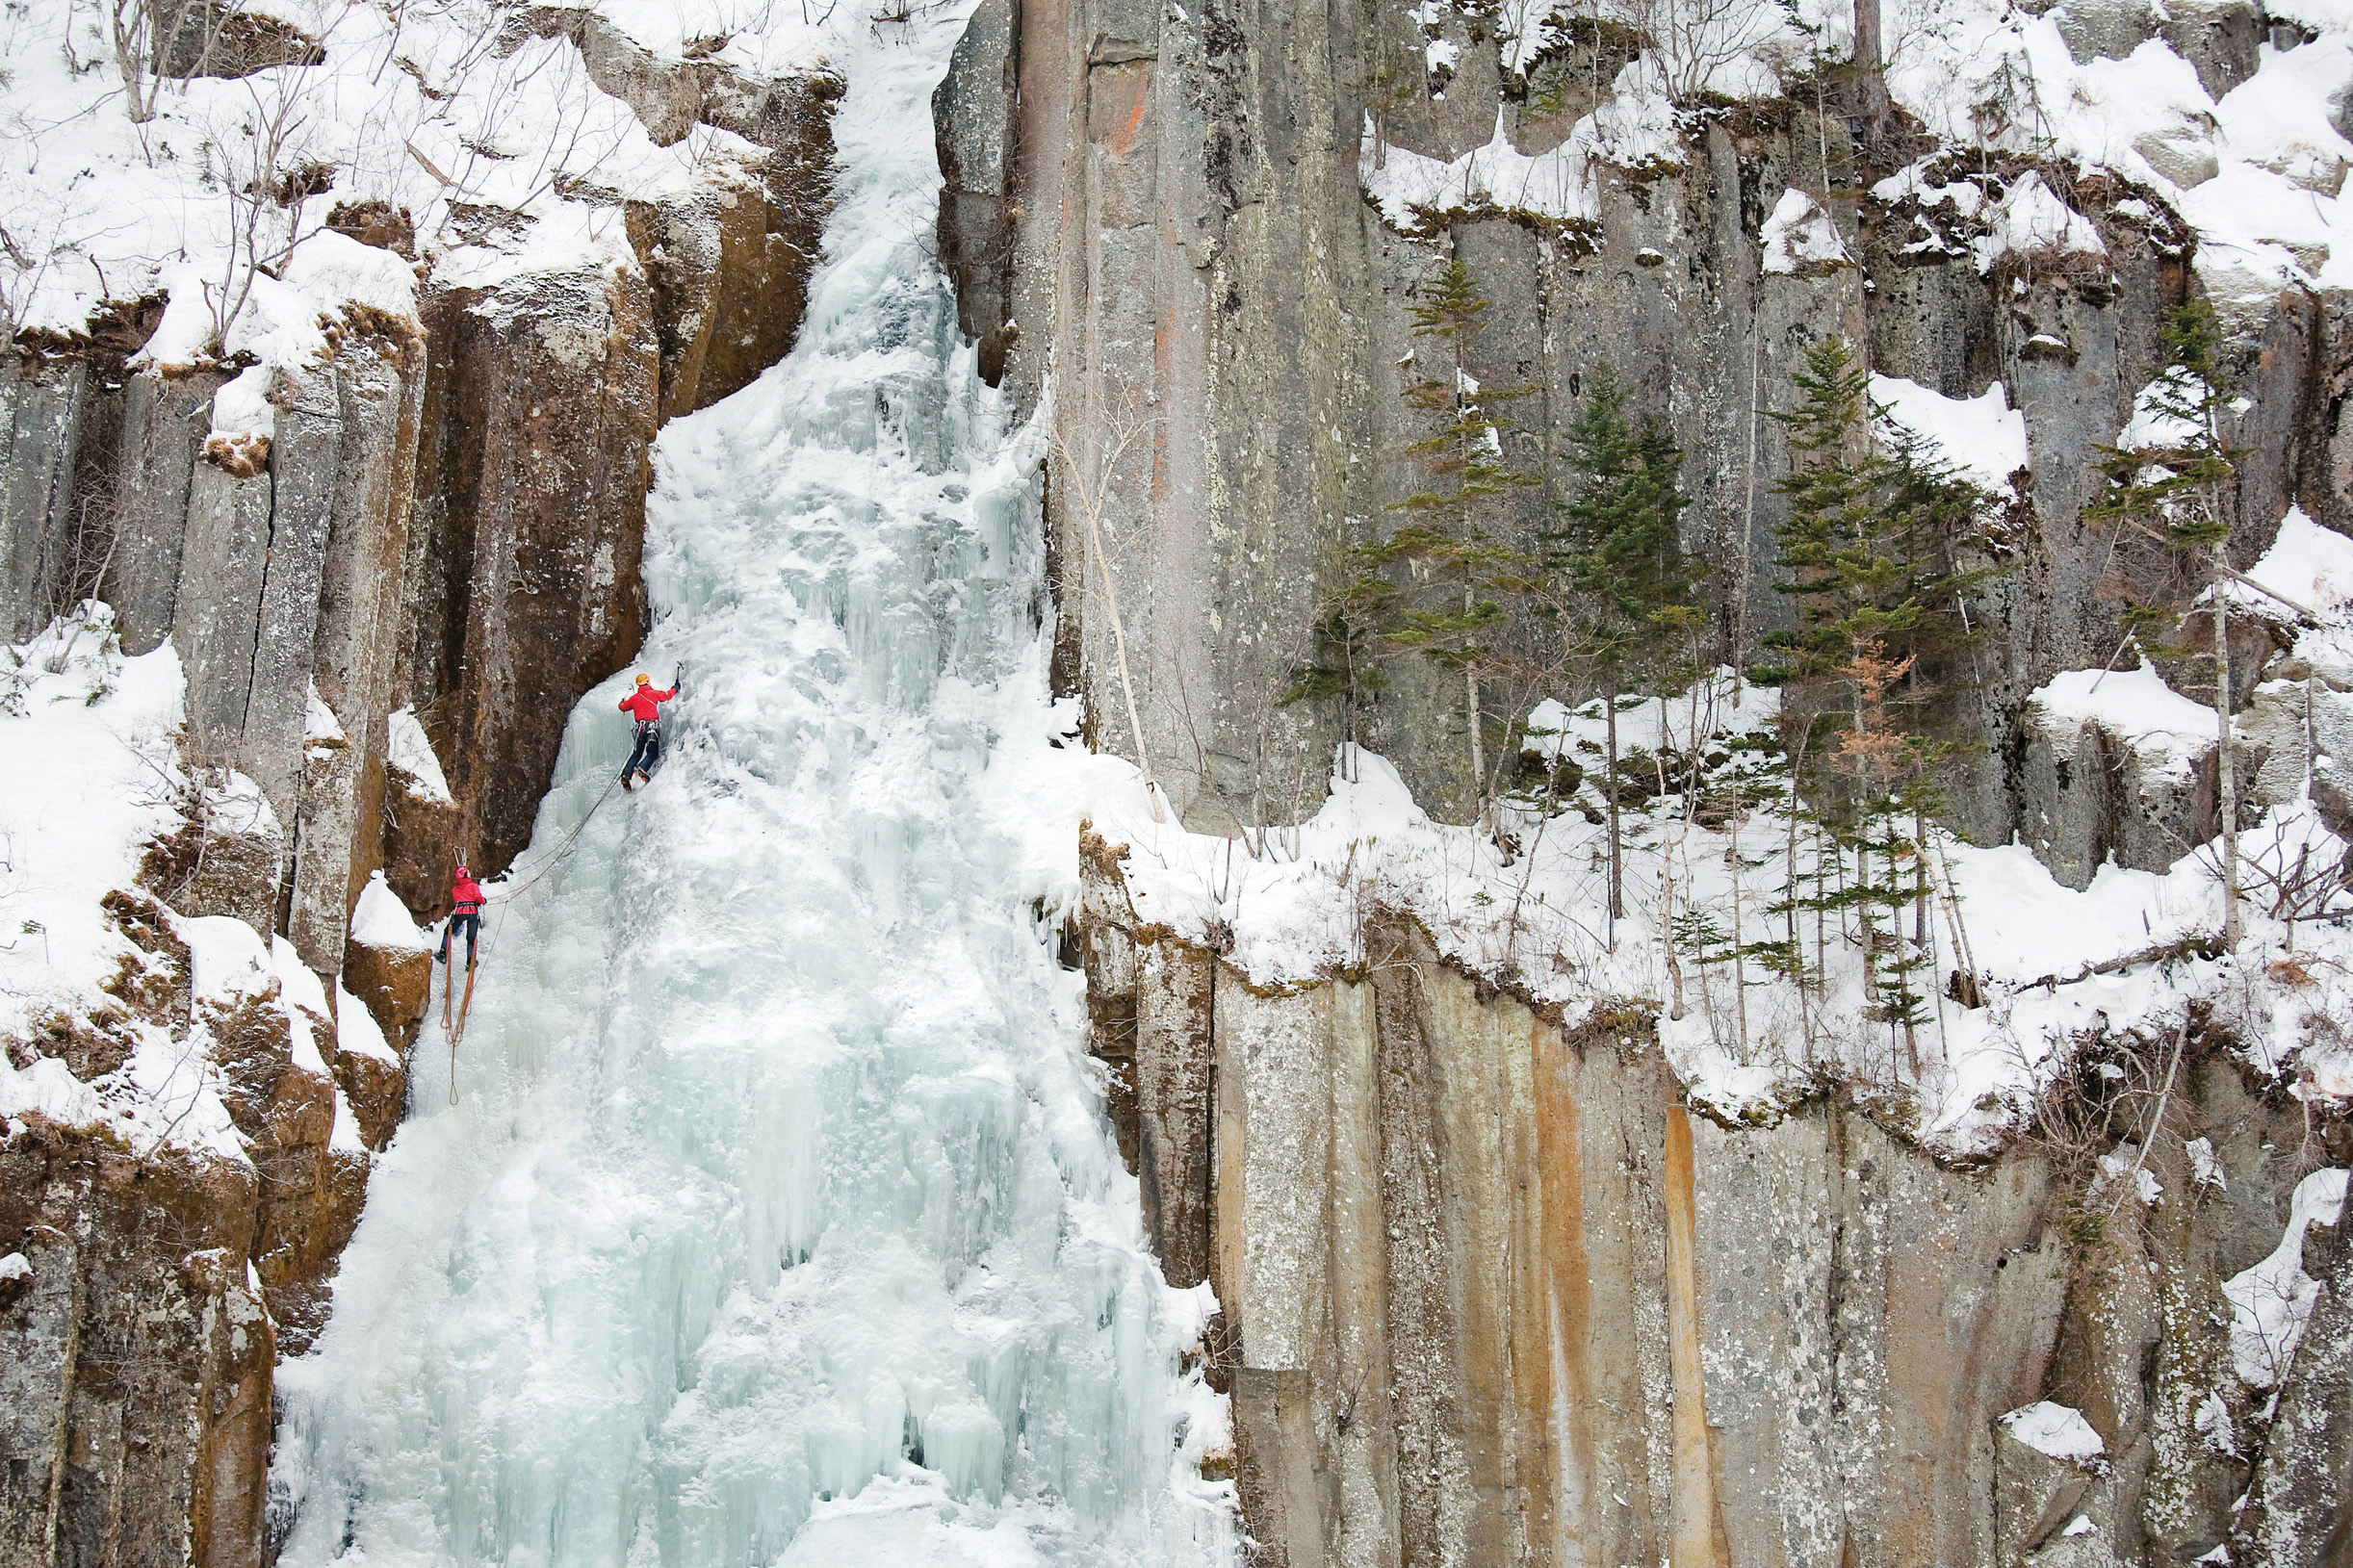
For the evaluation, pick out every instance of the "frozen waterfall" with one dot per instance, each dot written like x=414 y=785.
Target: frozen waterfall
x=778 y=1219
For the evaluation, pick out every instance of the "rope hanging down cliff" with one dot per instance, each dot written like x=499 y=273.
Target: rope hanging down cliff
x=645 y=758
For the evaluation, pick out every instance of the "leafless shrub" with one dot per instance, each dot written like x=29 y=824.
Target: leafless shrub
x=2121 y=1090
x=2281 y=875
x=1694 y=39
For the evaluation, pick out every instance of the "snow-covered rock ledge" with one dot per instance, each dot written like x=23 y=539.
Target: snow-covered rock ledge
x=187 y=1115
x=1388 y=1085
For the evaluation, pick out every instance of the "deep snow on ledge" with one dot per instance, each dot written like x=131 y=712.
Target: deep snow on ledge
x=2259 y=174
x=2054 y=963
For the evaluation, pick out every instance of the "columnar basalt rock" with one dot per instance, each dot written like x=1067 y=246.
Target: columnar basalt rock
x=972 y=111
x=1492 y=1293
x=42 y=402
x=137 y=1370
x=164 y=423
x=356 y=647
x=541 y=418
x=447 y=516
x=2303 y=1505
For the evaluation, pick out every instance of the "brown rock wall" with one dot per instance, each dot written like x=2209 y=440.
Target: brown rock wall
x=1492 y=1295
x=540 y=412
x=135 y=1361
x=394 y=983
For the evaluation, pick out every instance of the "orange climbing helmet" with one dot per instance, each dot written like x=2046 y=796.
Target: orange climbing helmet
x=645 y=681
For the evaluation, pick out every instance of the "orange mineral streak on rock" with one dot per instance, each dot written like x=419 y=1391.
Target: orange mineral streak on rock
x=1696 y=1518
x=1561 y=1522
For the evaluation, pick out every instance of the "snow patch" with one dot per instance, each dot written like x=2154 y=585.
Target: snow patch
x=320 y=726
x=410 y=753
x=2205 y=1167
x=2030 y=220
x=379 y=919
x=2134 y=706
x=2306 y=563
x=1404 y=183
x=1982 y=437
x=2058 y=1431
x=357 y=1033
x=2271 y=1303
x=1634 y=127
x=1799 y=236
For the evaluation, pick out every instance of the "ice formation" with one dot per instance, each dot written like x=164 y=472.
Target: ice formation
x=776 y=1219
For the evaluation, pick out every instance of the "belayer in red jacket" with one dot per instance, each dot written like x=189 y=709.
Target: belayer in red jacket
x=644 y=705
x=465 y=914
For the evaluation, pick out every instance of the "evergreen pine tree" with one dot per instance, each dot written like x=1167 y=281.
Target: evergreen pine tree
x=1618 y=546
x=1869 y=543
x=1437 y=586
x=1346 y=668
x=1870 y=549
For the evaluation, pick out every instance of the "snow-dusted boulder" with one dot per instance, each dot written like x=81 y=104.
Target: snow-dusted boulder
x=224 y=858
x=2118 y=766
x=387 y=967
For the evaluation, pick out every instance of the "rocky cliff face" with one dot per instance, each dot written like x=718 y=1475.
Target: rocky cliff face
x=1168 y=218
x=446 y=522
x=1492 y=1293
x=137 y=1373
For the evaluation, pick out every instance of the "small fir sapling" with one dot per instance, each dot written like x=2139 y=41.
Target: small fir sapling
x=1870 y=549
x=1347 y=668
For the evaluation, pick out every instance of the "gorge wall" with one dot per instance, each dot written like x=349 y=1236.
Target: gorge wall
x=437 y=546
x=1492 y=1293
x=1166 y=217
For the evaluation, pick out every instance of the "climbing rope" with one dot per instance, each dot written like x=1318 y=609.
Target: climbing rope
x=489 y=934
x=498 y=912
x=563 y=849
x=490 y=930
x=677 y=675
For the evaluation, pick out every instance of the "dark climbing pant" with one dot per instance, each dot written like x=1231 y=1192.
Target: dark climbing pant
x=647 y=754
x=471 y=923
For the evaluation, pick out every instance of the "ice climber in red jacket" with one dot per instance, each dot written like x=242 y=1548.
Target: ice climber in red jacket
x=465 y=914
x=644 y=705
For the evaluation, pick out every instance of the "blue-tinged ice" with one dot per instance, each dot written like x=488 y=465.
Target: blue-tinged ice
x=778 y=1221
